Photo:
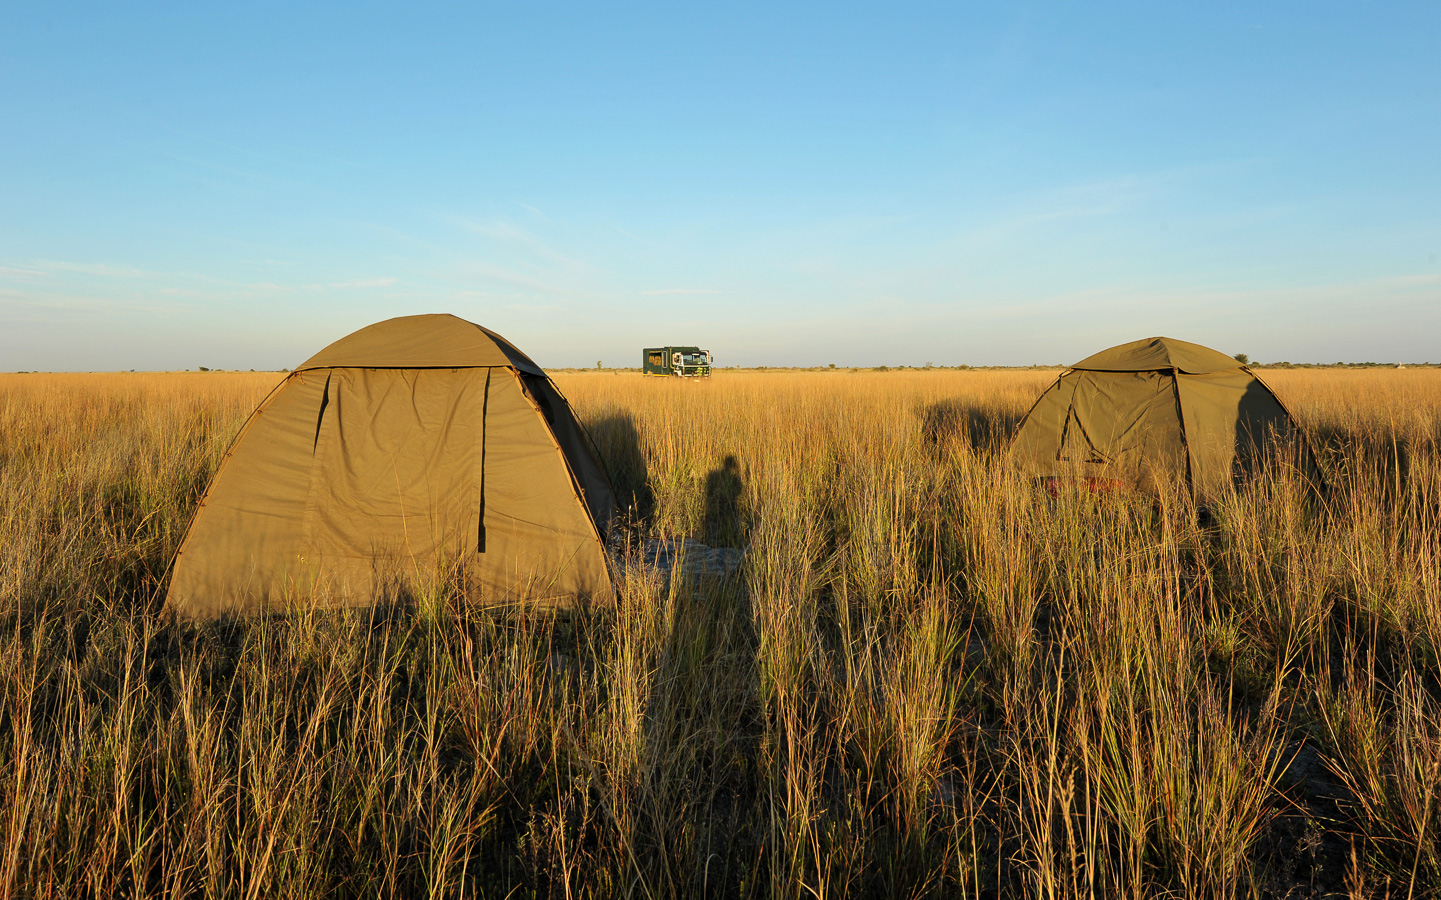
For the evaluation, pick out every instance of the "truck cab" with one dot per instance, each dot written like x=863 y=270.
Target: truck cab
x=682 y=362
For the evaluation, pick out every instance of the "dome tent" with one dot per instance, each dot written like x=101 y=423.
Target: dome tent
x=1154 y=408
x=413 y=442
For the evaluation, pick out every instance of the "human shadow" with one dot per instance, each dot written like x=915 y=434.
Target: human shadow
x=617 y=444
x=701 y=817
x=983 y=428
x=727 y=523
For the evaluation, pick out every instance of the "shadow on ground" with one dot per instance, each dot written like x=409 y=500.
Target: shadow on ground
x=727 y=522
x=984 y=429
x=617 y=444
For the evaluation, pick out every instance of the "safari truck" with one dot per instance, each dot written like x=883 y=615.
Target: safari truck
x=683 y=362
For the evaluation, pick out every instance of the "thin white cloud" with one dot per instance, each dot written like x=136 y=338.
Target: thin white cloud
x=1410 y=281
x=108 y=271
x=55 y=308
x=509 y=233
x=509 y=276
x=663 y=291
x=23 y=274
x=271 y=287
x=364 y=283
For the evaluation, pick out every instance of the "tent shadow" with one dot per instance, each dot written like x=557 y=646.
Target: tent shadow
x=985 y=429
x=1259 y=445
x=618 y=448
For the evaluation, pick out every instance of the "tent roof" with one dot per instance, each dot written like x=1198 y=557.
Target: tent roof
x=1156 y=354
x=438 y=341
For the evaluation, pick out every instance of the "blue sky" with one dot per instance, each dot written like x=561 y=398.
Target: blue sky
x=237 y=185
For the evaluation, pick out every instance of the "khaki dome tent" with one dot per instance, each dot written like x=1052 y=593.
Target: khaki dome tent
x=415 y=442
x=1153 y=409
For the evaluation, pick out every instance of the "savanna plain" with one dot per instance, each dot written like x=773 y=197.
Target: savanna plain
x=926 y=678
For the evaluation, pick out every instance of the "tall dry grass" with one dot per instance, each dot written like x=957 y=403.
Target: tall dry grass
x=926 y=679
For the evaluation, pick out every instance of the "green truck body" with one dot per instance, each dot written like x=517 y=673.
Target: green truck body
x=684 y=362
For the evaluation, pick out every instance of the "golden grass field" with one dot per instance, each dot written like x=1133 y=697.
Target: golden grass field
x=927 y=678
